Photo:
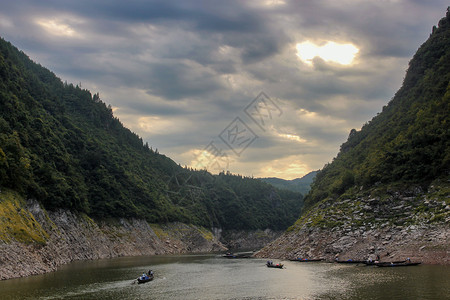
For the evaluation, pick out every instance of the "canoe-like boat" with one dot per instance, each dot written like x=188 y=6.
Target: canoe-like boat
x=374 y=263
x=350 y=261
x=306 y=259
x=229 y=255
x=272 y=265
x=237 y=255
x=145 y=280
x=393 y=264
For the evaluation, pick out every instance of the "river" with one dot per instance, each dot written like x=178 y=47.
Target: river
x=213 y=277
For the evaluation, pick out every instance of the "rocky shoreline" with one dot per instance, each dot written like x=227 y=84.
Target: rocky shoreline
x=393 y=226
x=71 y=237
x=426 y=245
x=248 y=240
x=46 y=240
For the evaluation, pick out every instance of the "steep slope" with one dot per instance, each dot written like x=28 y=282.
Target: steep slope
x=62 y=146
x=388 y=190
x=301 y=185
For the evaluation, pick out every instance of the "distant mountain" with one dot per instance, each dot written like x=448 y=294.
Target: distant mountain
x=387 y=192
x=63 y=146
x=301 y=185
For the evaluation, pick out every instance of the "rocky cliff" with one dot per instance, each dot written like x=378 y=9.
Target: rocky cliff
x=248 y=240
x=392 y=224
x=36 y=241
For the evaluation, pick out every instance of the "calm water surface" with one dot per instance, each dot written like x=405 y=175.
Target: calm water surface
x=214 y=277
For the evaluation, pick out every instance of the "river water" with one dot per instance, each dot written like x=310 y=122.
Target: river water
x=213 y=277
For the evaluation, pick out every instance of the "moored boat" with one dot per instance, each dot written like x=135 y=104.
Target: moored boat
x=374 y=263
x=306 y=259
x=401 y=264
x=237 y=255
x=229 y=255
x=350 y=261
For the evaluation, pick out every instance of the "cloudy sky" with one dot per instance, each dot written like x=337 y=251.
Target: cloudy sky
x=260 y=87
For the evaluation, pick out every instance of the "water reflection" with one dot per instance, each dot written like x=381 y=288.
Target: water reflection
x=213 y=277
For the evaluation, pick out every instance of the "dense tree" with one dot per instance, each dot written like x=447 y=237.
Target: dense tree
x=63 y=146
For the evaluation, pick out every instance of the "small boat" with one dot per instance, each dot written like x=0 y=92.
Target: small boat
x=145 y=279
x=270 y=264
x=229 y=255
x=237 y=255
x=401 y=264
x=374 y=263
x=350 y=261
x=306 y=259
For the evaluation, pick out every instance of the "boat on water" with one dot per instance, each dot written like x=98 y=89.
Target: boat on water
x=400 y=264
x=270 y=264
x=237 y=255
x=229 y=255
x=350 y=261
x=374 y=262
x=306 y=259
x=145 y=278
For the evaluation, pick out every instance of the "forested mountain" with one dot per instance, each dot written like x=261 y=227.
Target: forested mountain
x=301 y=185
x=409 y=141
x=62 y=146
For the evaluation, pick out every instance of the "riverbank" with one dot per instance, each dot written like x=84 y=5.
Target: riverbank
x=391 y=224
x=426 y=245
x=35 y=241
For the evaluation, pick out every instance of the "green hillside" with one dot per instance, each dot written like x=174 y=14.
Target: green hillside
x=408 y=143
x=62 y=146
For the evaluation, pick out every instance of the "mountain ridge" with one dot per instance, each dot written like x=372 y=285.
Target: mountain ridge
x=301 y=185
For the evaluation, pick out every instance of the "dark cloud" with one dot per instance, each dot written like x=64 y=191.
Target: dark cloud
x=178 y=80
x=179 y=71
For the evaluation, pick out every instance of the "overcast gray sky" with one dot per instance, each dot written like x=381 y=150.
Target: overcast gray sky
x=185 y=75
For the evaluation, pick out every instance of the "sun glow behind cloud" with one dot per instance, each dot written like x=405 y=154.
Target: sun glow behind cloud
x=292 y=137
x=57 y=28
x=274 y=2
x=289 y=167
x=343 y=54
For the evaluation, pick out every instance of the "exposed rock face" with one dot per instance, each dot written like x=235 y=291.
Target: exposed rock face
x=424 y=244
x=413 y=224
x=73 y=237
x=251 y=240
